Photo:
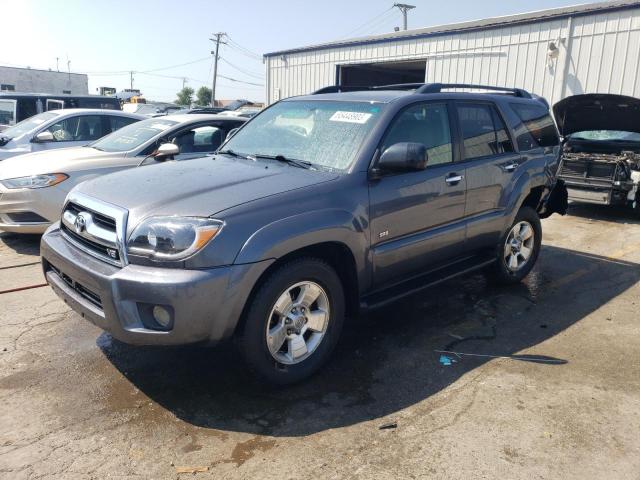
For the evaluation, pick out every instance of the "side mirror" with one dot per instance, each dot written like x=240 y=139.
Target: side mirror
x=44 y=137
x=403 y=157
x=166 y=150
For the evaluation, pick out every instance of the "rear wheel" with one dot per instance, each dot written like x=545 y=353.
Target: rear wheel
x=519 y=247
x=294 y=321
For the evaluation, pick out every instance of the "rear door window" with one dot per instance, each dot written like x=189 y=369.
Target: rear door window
x=537 y=129
x=484 y=133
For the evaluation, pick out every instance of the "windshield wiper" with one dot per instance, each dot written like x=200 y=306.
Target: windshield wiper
x=231 y=153
x=283 y=159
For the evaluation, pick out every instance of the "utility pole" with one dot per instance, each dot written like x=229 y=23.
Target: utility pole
x=217 y=40
x=184 y=83
x=131 y=79
x=404 y=8
x=58 y=63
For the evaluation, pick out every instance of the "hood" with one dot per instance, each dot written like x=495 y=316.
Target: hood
x=597 y=111
x=201 y=187
x=59 y=160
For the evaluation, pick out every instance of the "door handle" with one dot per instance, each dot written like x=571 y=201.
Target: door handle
x=511 y=167
x=453 y=179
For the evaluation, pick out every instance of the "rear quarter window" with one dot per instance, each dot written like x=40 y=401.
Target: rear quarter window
x=537 y=128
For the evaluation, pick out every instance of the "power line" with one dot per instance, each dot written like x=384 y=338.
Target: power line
x=200 y=81
x=239 y=47
x=365 y=24
x=241 y=81
x=254 y=75
x=375 y=27
x=176 y=66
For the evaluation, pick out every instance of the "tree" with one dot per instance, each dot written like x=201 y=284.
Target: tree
x=185 y=96
x=203 y=96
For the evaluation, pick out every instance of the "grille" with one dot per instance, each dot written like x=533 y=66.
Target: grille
x=94 y=227
x=83 y=291
x=100 y=219
x=588 y=169
x=90 y=244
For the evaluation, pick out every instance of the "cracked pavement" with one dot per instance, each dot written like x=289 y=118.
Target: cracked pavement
x=78 y=405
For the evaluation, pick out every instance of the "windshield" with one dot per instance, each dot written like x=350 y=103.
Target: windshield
x=324 y=133
x=607 y=136
x=28 y=125
x=132 y=136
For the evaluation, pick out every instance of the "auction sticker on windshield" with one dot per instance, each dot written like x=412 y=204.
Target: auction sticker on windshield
x=350 y=117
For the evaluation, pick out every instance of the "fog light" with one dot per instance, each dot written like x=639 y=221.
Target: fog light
x=162 y=316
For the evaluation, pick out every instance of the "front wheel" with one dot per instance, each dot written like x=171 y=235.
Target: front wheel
x=294 y=321
x=519 y=247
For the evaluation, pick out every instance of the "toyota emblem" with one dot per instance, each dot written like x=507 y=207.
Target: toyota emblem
x=80 y=223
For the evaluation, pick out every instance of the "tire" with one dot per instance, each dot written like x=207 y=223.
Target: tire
x=269 y=318
x=505 y=270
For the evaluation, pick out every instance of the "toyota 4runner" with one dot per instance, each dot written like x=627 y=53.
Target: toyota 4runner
x=320 y=207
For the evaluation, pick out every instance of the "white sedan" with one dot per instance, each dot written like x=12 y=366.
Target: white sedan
x=71 y=127
x=33 y=187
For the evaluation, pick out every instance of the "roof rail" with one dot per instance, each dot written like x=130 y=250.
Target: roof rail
x=422 y=88
x=340 y=89
x=438 y=87
x=359 y=88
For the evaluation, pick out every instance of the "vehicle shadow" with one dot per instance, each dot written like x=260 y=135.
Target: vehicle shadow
x=386 y=361
x=24 y=244
x=617 y=214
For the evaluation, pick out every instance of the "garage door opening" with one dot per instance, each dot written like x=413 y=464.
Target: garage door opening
x=372 y=74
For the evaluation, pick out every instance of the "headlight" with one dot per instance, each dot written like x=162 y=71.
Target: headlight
x=172 y=238
x=35 y=181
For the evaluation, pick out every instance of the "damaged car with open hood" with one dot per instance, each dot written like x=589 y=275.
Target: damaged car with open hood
x=600 y=161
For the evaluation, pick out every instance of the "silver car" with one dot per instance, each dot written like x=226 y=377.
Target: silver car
x=33 y=186
x=62 y=128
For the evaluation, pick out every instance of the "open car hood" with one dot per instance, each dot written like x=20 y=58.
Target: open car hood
x=597 y=111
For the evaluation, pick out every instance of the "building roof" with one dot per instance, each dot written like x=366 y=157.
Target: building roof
x=473 y=25
x=41 y=70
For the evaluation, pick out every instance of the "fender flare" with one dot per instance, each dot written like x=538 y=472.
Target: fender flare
x=521 y=190
x=279 y=238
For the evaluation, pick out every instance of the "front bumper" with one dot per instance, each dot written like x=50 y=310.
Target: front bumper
x=206 y=304
x=41 y=202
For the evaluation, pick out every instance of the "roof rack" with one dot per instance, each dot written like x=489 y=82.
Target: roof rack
x=422 y=88
x=438 y=87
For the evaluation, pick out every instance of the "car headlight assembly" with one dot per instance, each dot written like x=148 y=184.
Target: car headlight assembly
x=35 y=181
x=172 y=238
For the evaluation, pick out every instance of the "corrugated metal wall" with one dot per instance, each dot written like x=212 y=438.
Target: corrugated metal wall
x=597 y=53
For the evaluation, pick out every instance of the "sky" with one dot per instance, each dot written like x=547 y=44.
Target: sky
x=167 y=42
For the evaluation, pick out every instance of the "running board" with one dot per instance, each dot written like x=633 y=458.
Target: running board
x=384 y=297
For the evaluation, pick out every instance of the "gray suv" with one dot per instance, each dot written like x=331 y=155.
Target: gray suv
x=319 y=208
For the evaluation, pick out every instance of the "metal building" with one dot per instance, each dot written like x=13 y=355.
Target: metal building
x=554 y=53
x=31 y=80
